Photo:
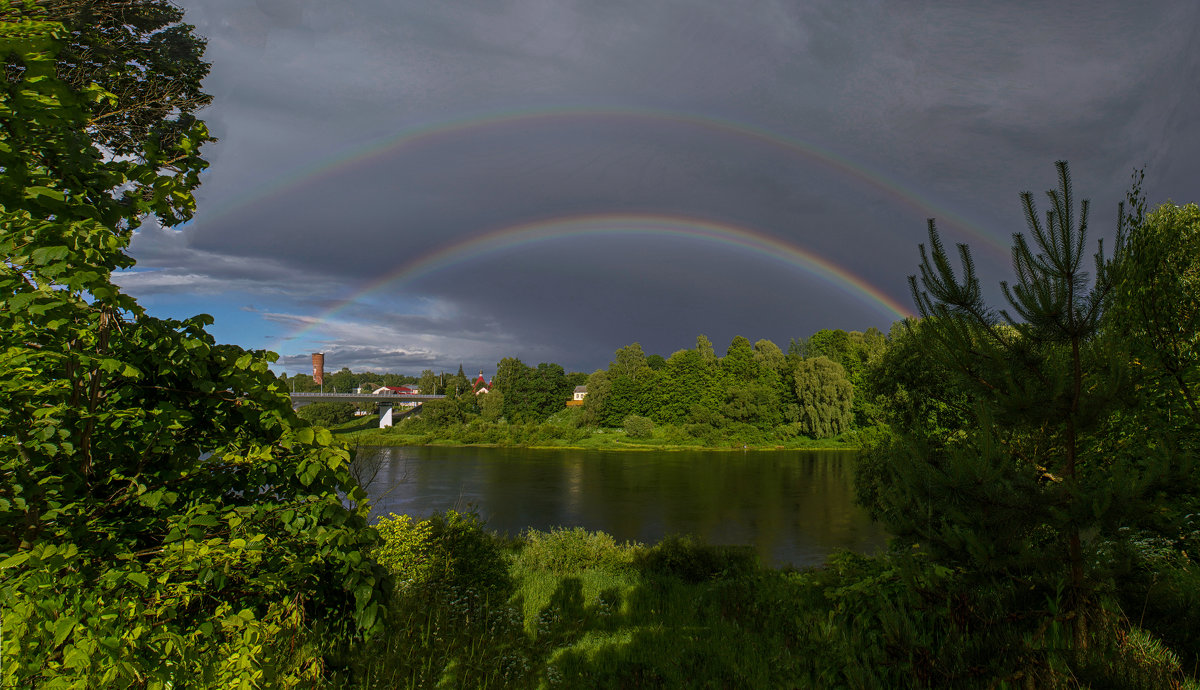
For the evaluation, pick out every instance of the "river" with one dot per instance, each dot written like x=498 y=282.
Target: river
x=794 y=507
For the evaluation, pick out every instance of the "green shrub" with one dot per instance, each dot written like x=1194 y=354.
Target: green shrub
x=676 y=435
x=446 y=412
x=638 y=427
x=405 y=548
x=451 y=623
x=449 y=551
x=1167 y=603
x=564 y=551
x=327 y=414
x=691 y=560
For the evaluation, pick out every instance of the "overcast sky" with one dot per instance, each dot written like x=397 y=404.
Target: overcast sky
x=409 y=185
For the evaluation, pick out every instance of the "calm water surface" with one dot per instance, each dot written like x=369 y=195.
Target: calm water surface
x=794 y=507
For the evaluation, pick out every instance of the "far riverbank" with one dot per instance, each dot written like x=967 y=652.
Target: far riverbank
x=365 y=432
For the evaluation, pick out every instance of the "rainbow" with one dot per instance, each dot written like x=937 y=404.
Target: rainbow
x=499 y=120
x=631 y=226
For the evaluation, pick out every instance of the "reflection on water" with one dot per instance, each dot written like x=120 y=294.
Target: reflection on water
x=795 y=507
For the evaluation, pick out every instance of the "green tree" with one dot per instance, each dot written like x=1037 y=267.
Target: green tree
x=399 y=380
x=871 y=345
x=576 y=378
x=754 y=403
x=632 y=386
x=509 y=372
x=739 y=364
x=491 y=405
x=705 y=347
x=161 y=506
x=343 y=381
x=301 y=383
x=458 y=384
x=797 y=348
x=444 y=412
x=833 y=344
x=769 y=356
x=595 y=404
x=917 y=395
x=143 y=55
x=1014 y=495
x=327 y=414
x=684 y=382
x=1156 y=309
x=531 y=393
x=628 y=361
x=825 y=397
x=427 y=384
x=632 y=395
x=549 y=390
x=1158 y=297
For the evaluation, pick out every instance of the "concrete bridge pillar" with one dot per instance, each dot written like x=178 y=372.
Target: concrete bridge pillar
x=385 y=415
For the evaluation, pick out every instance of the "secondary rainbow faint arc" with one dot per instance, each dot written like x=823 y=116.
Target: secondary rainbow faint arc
x=411 y=136
x=658 y=226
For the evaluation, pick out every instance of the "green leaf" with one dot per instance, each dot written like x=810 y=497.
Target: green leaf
x=44 y=255
x=14 y=560
x=35 y=192
x=62 y=628
x=139 y=578
x=76 y=658
x=309 y=473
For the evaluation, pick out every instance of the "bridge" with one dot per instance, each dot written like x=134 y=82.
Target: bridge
x=385 y=402
x=306 y=398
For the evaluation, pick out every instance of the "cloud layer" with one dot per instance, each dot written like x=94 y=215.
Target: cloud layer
x=834 y=128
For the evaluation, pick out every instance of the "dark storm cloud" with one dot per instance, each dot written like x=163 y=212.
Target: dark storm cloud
x=963 y=105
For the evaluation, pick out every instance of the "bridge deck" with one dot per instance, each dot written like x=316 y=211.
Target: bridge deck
x=361 y=397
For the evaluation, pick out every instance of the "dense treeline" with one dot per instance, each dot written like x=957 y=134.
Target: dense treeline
x=345 y=381
x=752 y=388
x=754 y=393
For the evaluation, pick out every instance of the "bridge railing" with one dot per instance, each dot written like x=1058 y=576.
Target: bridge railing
x=369 y=396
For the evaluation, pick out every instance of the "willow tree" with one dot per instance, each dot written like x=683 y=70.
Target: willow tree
x=825 y=395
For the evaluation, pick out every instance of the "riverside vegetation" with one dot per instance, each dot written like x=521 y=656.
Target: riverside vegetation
x=168 y=521
x=815 y=395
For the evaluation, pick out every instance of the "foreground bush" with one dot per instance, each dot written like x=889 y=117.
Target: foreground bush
x=450 y=550
x=584 y=611
x=165 y=519
x=693 y=561
x=566 y=550
x=450 y=621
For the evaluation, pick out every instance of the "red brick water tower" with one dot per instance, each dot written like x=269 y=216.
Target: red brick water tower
x=319 y=368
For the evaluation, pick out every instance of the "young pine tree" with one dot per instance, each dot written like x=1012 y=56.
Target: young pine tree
x=1017 y=495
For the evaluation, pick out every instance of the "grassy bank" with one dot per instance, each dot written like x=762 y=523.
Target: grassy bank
x=556 y=434
x=570 y=608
